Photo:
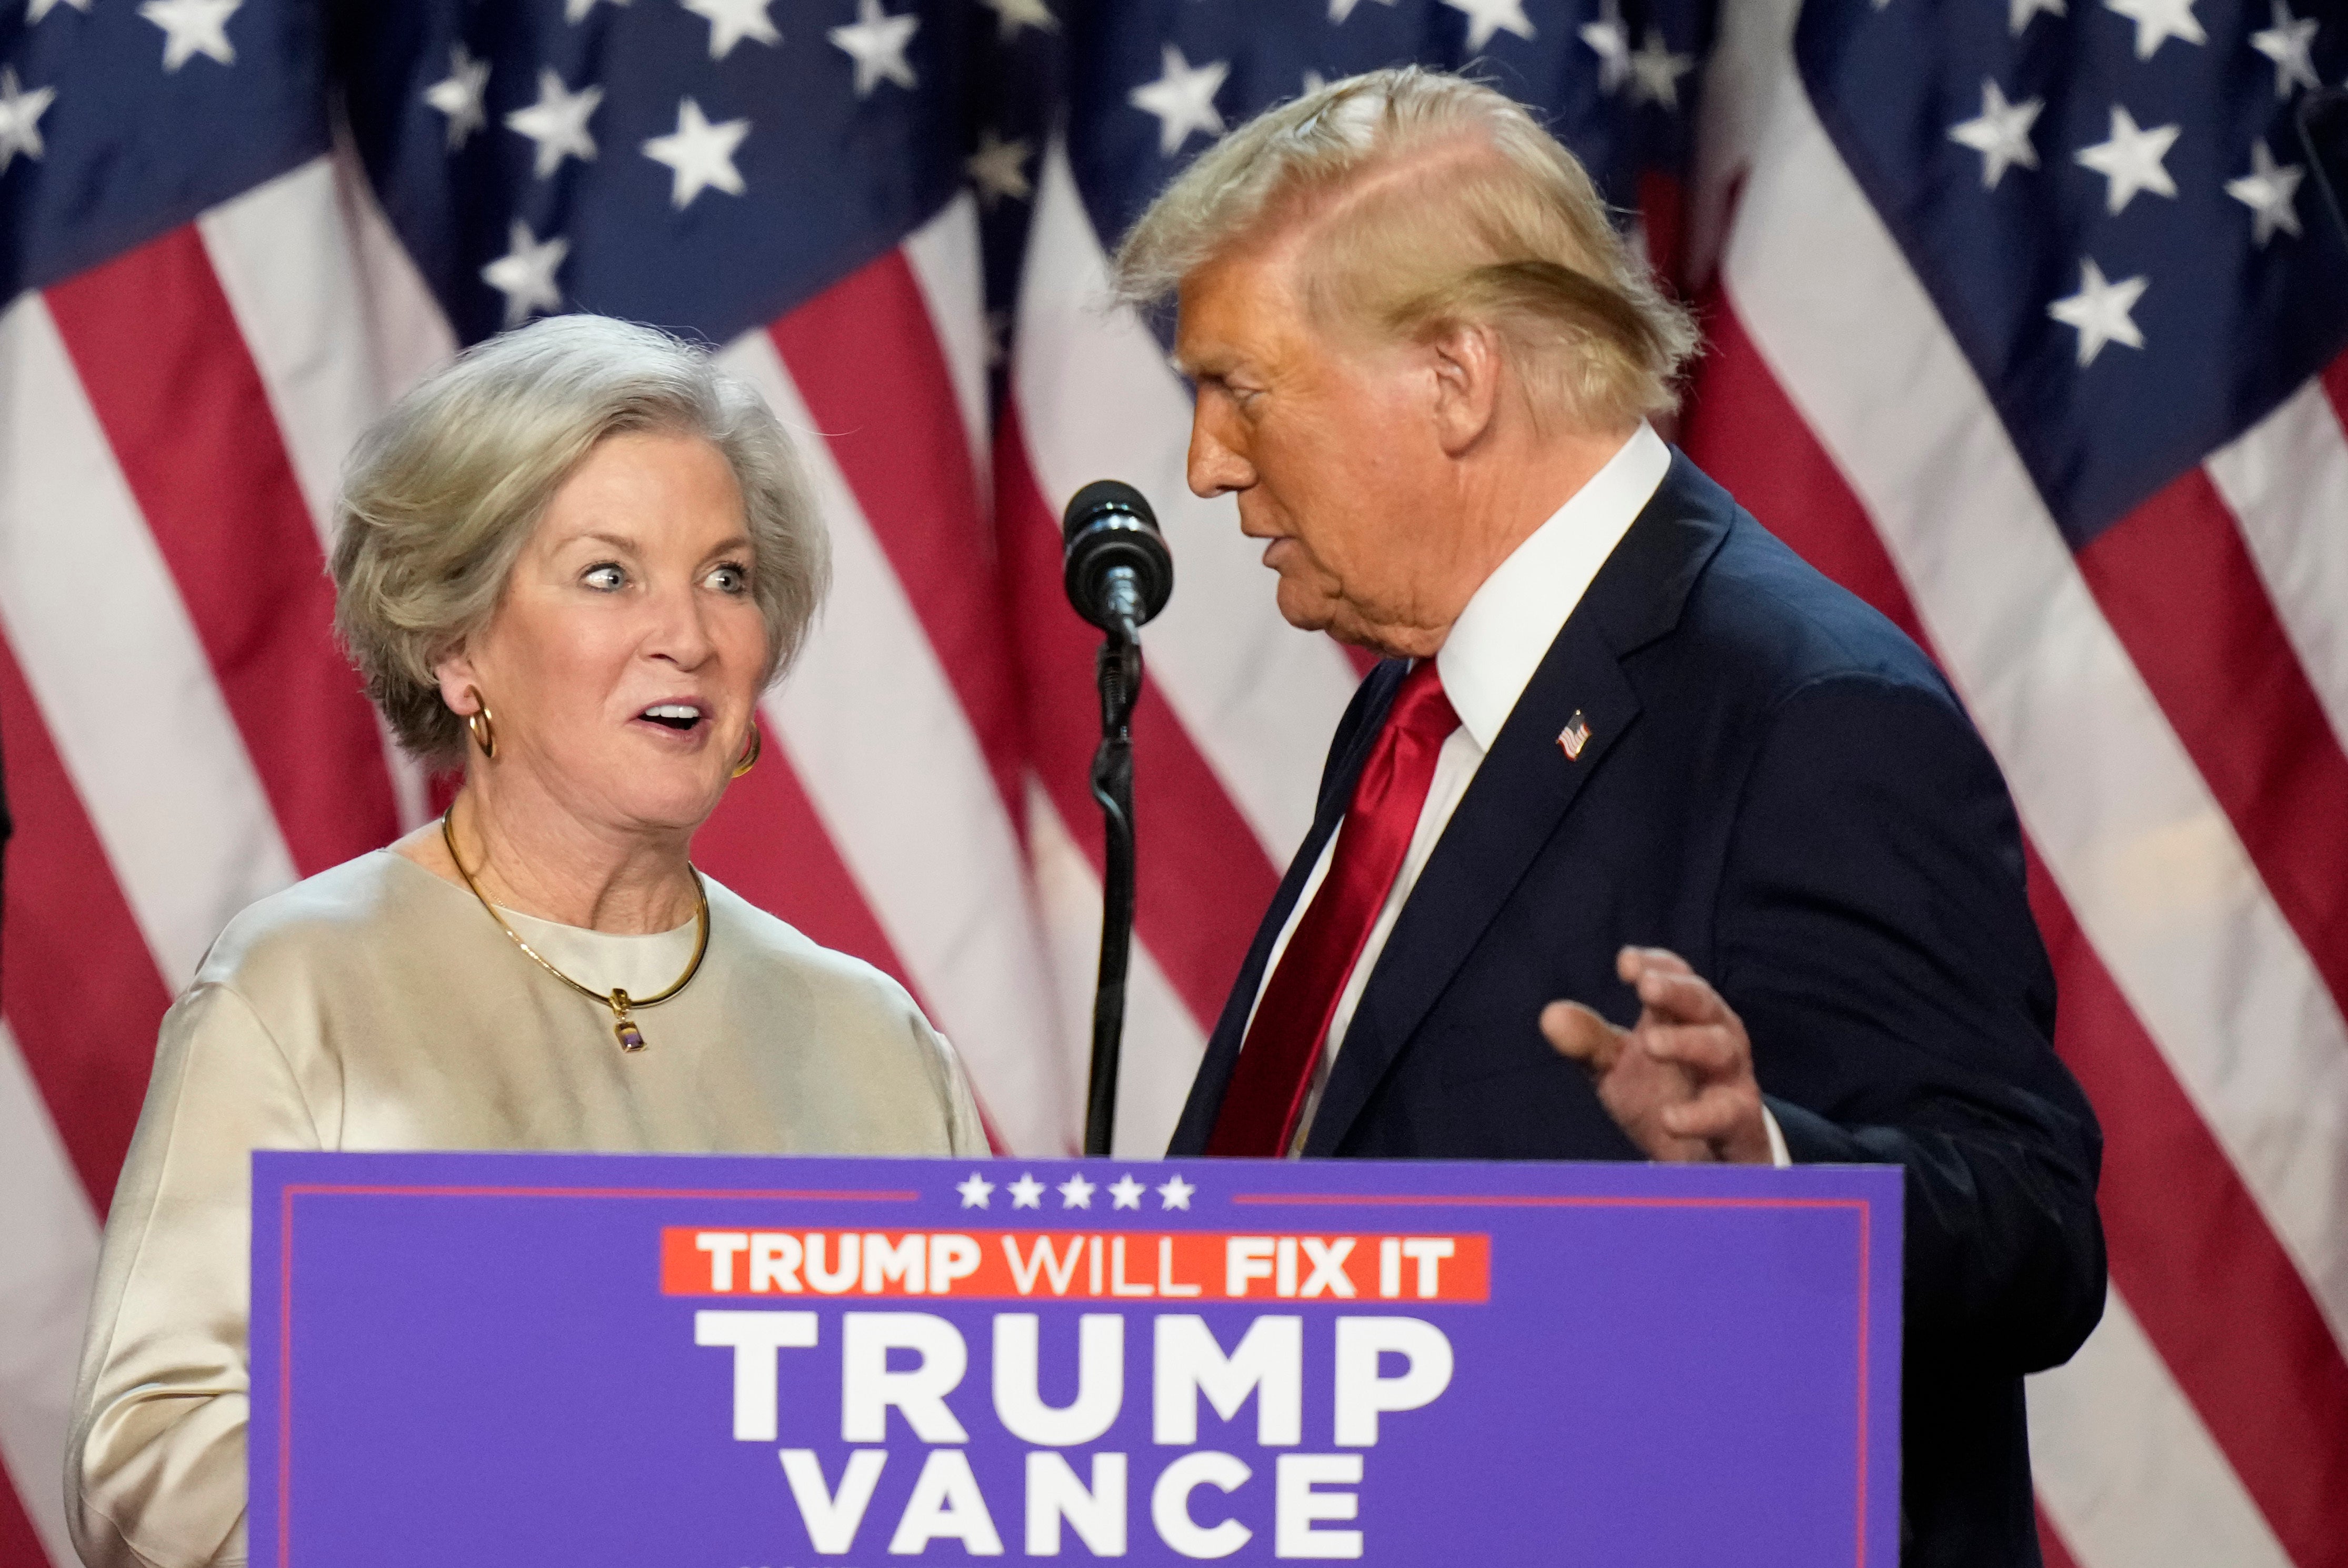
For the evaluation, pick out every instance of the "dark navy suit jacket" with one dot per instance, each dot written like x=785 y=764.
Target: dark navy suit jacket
x=1779 y=786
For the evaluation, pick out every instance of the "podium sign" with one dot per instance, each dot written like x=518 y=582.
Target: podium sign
x=703 y=1362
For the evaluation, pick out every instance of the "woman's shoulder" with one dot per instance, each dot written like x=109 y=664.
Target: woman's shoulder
x=773 y=944
x=352 y=904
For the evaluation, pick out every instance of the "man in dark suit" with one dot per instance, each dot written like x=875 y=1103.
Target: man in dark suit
x=1626 y=749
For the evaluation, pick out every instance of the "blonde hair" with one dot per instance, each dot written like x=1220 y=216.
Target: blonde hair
x=442 y=491
x=1429 y=201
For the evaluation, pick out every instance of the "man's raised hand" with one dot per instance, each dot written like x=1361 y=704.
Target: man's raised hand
x=1680 y=1082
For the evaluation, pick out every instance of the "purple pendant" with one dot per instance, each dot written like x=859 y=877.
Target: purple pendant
x=631 y=1037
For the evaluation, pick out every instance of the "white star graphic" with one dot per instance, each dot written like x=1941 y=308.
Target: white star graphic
x=999 y=169
x=575 y=11
x=2099 y=311
x=2157 y=21
x=2002 y=134
x=1610 y=40
x=192 y=27
x=1341 y=9
x=1018 y=13
x=20 y=119
x=2130 y=160
x=2271 y=191
x=1174 y=1193
x=525 y=274
x=1657 y=71
x=2019 y=13
x=1076 y=1192
x=975 y=1192
x=2287 y=43
x=1486 y=18
x=458 y=95
x=731 y=21
x=1125 y=1192
x=700 y=154
x=557 y=122
x=40 y=8
x=1183 y=100
x=1027 y=1192
x=876 y=41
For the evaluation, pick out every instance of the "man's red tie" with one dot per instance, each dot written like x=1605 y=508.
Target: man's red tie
x=1275 y=1069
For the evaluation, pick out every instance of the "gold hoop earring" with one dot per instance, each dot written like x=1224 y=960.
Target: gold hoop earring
x=749 y=752
x=483 y=728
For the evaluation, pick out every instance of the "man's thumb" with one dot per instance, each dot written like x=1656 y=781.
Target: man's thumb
x=1581 y=1035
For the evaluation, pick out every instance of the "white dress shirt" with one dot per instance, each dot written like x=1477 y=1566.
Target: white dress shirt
x=1486 y=662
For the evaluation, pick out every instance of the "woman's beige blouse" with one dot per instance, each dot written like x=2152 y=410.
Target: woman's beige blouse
x=376 y=1007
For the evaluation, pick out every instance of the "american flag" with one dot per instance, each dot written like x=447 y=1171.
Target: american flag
x=2024 y=321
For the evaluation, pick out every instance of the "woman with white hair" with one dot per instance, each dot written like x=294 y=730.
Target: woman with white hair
x=570 y=561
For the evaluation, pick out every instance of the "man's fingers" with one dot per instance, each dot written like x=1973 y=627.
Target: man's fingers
x=1705 y=1050
x=1683 y=997
x=1632 y=962
x=1714 y=1114
x=1581 y=1036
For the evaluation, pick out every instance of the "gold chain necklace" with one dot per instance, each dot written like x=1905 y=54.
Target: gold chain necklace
x=623 y=1005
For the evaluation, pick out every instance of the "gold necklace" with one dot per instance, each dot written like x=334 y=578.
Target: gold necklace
x=623 y=1005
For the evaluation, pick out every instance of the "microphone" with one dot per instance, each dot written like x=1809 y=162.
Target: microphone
x=1117 y=571
x=1118 y=574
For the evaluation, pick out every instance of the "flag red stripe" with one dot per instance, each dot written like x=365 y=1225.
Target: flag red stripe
x=2187 y=1245
x=899 y=437
x=81 y=987
x=1202 y=880
x=176 y=390
x=19 y=1544
x=765 y=842
x=2050 y=1546
x=2177 y=585
x=1744 y=431
x=2199 y=1265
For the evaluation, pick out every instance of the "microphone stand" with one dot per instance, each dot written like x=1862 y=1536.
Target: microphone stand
x=1117 y=669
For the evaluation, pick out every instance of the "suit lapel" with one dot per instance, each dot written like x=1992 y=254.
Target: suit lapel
x=1527 y=784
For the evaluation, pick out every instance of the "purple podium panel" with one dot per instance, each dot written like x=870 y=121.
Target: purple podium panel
x=704 y=1362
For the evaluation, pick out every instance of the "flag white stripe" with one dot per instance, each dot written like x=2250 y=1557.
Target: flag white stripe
x=1097 y=400
x=2148 y=860
x=48 y=1238
x=2286 y=483
x=945 y=260
x=1161 y=1045
x=117 y=670
x=2126 y=1470
x=895 y=772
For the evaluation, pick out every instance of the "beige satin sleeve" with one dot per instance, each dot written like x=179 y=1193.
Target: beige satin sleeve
x=155 y=1467
x=965 y=1129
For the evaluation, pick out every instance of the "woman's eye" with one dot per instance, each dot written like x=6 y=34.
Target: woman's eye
x=729 y=579
x=607 y=577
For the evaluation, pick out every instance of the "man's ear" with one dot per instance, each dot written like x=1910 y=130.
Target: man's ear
x=1468 y=368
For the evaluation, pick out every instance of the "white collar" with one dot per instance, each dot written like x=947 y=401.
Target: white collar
x=1501 y=637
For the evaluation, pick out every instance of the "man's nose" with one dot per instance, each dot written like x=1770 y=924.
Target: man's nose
x=1215 y=466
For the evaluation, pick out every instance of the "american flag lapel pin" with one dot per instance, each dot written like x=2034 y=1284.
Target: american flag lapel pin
x=1573 y=736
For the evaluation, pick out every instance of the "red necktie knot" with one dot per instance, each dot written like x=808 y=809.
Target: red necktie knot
x=1420 y=708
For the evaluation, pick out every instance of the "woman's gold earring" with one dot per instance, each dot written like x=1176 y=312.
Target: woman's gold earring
x=749 y=752
x=483 y=728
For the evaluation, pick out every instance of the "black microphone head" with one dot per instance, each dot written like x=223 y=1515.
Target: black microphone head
x=1108 y=525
